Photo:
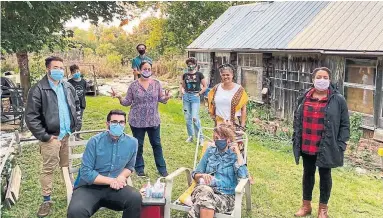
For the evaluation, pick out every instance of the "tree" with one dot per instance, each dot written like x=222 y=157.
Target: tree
x=29 y=26
x=187 y=20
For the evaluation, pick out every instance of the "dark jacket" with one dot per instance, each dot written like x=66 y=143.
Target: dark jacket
x=42 y=112
x=336 y=130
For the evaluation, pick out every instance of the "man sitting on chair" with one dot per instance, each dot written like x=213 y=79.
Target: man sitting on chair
x=107 y=162
x=217 y=174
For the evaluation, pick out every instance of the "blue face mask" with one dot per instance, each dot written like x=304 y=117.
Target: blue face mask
x=116 y=129
x=57 y=75
x=76 y=75
x=221 y=144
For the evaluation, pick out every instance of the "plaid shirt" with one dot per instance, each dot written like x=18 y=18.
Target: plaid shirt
x=313 y=123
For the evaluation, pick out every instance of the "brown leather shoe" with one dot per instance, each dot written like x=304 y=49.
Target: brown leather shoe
x=45 y=209
x=304 y=210
x=323 y=211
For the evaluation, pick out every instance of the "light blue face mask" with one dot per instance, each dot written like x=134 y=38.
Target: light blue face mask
x=221 y=144
x=116 y=129
x=57 y=74
x=76 y=75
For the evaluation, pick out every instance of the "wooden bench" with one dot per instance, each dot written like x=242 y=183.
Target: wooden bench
x=75 y=155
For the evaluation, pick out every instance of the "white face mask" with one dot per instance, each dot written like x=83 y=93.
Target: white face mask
x=321 y=84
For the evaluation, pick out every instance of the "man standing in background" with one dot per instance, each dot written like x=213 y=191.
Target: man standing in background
x=141 y=49
x=80 y=86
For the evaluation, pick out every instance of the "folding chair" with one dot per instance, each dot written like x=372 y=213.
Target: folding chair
x=243 y=186
x=68 y=172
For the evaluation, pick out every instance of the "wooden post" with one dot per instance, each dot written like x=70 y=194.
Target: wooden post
x=13 y=190
x=378 y=92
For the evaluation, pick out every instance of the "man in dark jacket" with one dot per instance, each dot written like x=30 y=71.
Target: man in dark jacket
x=321 y=131
x=52 y=113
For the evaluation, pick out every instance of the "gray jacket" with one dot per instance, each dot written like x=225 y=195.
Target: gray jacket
x=336 y=131
x=41 y=113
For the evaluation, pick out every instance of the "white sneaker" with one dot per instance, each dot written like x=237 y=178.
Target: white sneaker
x=190 y=139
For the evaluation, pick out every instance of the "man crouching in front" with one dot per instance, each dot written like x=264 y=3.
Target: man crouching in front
x=107 y=162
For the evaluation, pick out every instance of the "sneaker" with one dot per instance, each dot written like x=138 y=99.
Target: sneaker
x=190 y=139
x=45 y=209
x=141 y=174
x=164 y=174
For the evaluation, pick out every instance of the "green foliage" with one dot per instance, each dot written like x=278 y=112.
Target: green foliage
x=355 y=131
x=105 y=49
x=187 y=20
x=29 y=26
x=37 y=67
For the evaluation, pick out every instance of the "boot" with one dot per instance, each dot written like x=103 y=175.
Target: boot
x=304 y=210
x=322 y=211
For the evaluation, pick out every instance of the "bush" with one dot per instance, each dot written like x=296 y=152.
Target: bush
x=9 y=64
x=355 y=131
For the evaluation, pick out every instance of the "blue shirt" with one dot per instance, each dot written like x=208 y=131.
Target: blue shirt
x=224 y=167
x=64 y=114
x=107 y=157
x=137 y=61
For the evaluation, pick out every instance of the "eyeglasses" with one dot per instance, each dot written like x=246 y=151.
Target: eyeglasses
x=115 y=122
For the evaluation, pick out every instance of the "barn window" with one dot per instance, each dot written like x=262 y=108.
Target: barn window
x=250 y=74
x=359 y=85
x=203 y=59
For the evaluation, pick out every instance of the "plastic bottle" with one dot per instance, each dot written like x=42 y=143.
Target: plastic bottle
x=148 y=189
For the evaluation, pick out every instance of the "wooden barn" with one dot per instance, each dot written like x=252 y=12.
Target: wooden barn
x=275 y=47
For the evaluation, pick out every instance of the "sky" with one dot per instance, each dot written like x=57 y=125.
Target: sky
x=128 y=28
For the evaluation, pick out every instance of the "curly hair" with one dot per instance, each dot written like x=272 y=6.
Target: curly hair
x=226 y=131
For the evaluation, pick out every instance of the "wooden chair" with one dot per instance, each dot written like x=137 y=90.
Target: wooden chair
x=68 y=172
x=243 y=186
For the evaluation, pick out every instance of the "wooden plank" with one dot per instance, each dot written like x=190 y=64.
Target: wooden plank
x=78 y=143
x=68 y=184
x=75 y=156
x=9 y=200
x=378 y=93
x=15 y=182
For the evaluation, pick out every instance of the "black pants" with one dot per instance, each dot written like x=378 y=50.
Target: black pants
x=155 y=140
x=86 y=200
x=78 y=127
x=308 y=180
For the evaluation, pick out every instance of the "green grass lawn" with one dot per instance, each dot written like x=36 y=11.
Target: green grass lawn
x=277 y=189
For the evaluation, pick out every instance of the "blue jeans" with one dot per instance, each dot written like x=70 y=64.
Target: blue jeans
x=155 y=140
x=191 y=104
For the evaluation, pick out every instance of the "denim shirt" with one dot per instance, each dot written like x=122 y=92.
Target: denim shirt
x=107 y=157
x=64 y=114
x=224 y=167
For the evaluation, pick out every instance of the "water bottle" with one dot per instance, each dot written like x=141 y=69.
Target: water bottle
x=148 y=189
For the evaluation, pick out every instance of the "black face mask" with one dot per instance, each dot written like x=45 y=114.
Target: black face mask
x=141 y=52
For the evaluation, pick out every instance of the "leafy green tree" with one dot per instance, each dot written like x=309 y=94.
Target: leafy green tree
x=29 y=26
x=187 y=20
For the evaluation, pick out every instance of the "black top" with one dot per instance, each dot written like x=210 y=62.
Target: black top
x=80 y=87
x=193 y=81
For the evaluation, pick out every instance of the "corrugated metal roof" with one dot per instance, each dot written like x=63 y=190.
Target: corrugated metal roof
x=348 y=26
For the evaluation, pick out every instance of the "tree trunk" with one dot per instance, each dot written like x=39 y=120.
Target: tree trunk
x=22 y=60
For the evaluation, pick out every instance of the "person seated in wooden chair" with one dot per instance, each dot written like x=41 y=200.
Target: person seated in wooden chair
x=107 y=162
x=217 y=174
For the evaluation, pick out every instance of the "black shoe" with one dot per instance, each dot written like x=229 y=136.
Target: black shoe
x=164 y=174
x=141 y=173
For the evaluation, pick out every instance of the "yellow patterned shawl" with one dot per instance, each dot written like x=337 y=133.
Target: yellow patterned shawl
x=239 y=100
